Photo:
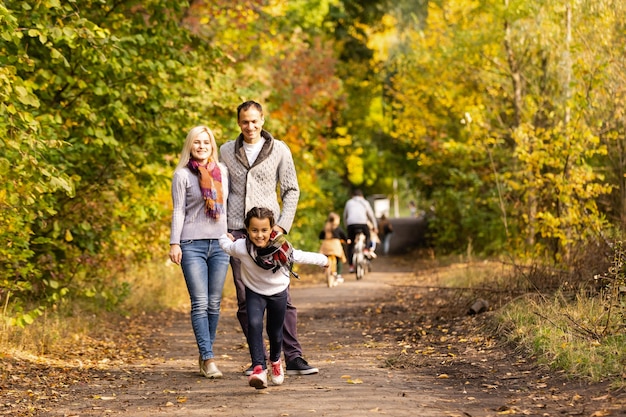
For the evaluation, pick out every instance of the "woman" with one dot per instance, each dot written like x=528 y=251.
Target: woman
x=199 y=194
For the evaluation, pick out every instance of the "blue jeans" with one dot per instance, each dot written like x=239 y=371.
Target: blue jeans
x=386 y=243
x=276 y=306
x=204 y=266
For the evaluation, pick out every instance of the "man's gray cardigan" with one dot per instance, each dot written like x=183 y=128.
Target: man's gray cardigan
x=256 y=185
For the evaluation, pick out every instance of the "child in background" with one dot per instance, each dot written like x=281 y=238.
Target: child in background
x=266 y=259
x=333 y=237
x=374 y=240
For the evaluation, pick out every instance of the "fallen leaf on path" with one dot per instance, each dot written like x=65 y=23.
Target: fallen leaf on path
x=602 y=398
x=506 y=410
x=354 y=381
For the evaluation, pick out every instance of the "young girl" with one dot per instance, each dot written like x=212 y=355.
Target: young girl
x=333 y=237
x=266 y=259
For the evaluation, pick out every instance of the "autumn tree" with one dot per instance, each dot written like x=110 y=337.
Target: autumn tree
x=601 y=64
x=502 y=143
x=94 y=94
x=279 y=55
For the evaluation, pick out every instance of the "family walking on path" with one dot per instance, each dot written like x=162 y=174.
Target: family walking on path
x=212 y=195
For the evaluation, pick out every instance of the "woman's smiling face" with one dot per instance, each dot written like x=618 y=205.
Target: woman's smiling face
x=201 y=148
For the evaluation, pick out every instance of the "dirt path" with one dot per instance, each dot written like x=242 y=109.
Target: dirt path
x=365 y=368
x=351 y=379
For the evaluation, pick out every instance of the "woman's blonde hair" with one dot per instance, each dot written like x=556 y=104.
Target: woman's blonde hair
x=185 y=154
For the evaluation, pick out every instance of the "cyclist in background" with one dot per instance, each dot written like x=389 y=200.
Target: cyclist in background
x=356 y=213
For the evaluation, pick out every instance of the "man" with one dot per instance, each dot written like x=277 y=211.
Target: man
x=356 y=214
x=258 y=165
x=385 y=229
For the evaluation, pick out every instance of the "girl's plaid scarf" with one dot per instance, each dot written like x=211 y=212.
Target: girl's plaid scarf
x=210 y=178
x=277 y=254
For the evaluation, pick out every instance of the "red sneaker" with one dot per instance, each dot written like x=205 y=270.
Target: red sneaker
x=258 y=379
x=276 y=373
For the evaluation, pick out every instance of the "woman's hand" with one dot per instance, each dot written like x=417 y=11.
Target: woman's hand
x=176 y=254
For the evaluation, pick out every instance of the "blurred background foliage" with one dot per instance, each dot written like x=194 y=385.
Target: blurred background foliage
x=504 y=120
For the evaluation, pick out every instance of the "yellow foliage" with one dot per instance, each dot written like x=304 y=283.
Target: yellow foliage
x=356 y=169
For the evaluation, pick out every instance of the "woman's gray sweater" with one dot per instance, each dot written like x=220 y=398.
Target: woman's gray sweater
x=189 y=221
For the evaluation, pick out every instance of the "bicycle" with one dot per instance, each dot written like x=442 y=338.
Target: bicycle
x=331 y=271
x=359 y=260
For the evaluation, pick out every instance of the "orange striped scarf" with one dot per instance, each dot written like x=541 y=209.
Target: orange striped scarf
x=210 y=178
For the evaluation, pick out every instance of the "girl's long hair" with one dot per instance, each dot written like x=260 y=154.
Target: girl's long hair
x=332 y=222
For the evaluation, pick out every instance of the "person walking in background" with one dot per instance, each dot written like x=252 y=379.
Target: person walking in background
x=412 y=209
x=266 y=259
x=385 y=231
x=333 y=238
x=258 y=165
x=199 y=196
x=356 y=213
